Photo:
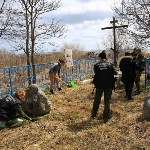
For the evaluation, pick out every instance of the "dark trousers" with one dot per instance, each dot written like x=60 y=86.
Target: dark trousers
x=128 y=89
x=137 y=80
x=97 y=101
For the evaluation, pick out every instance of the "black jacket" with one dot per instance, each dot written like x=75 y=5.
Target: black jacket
x=10 y=108
x=128 y=68
x=8 y=103
x=55 y=69
x=104 y=74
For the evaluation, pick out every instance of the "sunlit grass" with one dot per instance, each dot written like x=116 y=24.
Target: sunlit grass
x=68 y=126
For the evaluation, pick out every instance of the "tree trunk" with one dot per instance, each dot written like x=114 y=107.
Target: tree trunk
x=33 y=45
x=27 y=48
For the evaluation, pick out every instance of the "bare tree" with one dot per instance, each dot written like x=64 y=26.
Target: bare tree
x=137 y=14
x=6 y=17
x=47 y=30
x=73 y=46
x=123 y=41
x=30 y=30
x=4 y=1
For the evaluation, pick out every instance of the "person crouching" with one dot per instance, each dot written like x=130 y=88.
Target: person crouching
x=11 y=108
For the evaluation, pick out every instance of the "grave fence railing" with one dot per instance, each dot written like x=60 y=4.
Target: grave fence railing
x=15 y=77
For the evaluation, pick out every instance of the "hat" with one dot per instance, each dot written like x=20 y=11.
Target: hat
x=102 y=55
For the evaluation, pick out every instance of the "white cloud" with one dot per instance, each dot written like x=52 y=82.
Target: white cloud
x=77 y=7
x=88 y=34
x=84 y=19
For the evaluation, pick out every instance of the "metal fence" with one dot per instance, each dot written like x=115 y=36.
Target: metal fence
x=15 y=77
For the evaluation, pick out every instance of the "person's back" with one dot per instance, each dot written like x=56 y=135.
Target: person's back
x=104 y=83
x=56 y=68
x=11 y=106
x=7 y=106
x=127 y=68
x=104 y=74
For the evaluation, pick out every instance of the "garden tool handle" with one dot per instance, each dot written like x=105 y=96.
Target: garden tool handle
x=59 y=79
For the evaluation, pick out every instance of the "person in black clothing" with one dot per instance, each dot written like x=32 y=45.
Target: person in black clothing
x=10 y=107
x=104 y=83
x=128 y=68
x=140 y=60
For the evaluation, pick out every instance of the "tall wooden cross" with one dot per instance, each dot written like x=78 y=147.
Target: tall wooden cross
x=114 y=35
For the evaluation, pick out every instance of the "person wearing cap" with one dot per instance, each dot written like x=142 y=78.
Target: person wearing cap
x=53 y=75
x=128 y=68
x=10 y=107
x=140 y=60
x=104 y=82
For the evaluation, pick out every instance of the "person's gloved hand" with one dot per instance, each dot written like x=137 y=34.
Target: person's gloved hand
x=34 y=119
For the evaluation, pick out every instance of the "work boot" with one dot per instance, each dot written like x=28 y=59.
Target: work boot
x=106 y=119
x=51 y=91
x=129 y=97
x=137 y=92
x=59 y=89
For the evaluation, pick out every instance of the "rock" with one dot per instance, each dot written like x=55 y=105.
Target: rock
x=146 y=108
x=119 y=83
x=36 y=102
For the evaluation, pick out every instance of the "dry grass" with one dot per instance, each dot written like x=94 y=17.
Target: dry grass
x=11 y=59
x=68 y=126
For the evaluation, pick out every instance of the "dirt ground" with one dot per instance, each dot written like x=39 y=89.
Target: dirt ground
x=68 y=126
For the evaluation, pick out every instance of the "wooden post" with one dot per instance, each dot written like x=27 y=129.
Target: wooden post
x=114 y=35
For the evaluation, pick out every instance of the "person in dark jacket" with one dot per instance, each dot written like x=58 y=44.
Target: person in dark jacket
x=104 y=83
x=128 y=68
x=53 y=75
x=10 y=107
x=140 y=60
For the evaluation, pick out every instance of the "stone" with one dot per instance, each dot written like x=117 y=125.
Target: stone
x=146 y=108
x=36 y=102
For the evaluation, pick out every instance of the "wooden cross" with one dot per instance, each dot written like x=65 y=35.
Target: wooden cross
x=114 y=35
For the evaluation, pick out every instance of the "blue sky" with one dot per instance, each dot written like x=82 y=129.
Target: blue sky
x=84 y=19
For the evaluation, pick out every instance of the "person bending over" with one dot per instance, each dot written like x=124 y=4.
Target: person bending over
x=10 y=107
x=53 y=75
